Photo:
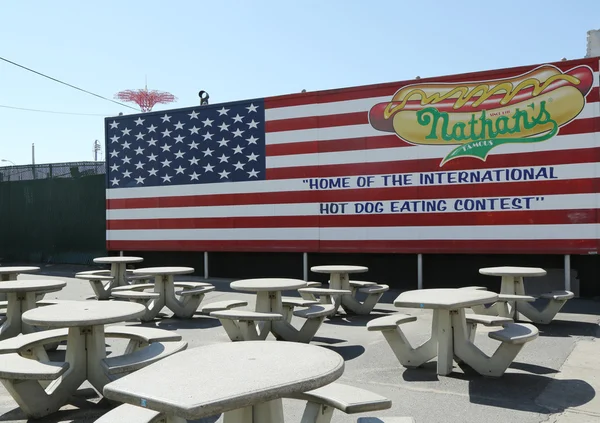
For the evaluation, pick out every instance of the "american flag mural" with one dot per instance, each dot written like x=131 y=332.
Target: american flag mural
x=501 y=161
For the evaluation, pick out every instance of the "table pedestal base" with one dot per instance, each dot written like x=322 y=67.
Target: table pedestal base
x=267 y=412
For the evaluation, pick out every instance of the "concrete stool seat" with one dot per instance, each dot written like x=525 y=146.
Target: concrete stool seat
x=316 y=310
x=140 y=336
x=240 y=324
x=390 y=322
x=24 y=343
x=515 y=333
x=321 y=402
x=222 y=305
x=195 y=291
x=297 y=302
x=487 y=320
x=136 y=295
x=136 y=278
x=323 y=291
x=128 y=413
x=191 y=285
x=361 y=284
x=95 y=277
x=513 y=297
x=386 y=419
x=558 y=295
x=246 y=315
x=313 y=284
x=101 y=283
x=374 y=289
x=480 y=288
x=136 y=360
x=15 y=367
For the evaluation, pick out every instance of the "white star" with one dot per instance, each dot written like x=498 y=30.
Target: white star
x=179 y=125
x=237 y=133
x=238 y=118
x=152 y=157
x=126 y=159
x=166 y=118
x=193 y=115
x=179 y=169
x=139 y=121
x=139 y=136
x=114 y=124
x=251 y=108
x=126 y=144
x=223 y=111
x=166 y=163
x=138 y=150
x=114 y=153
x=114 y=181
x=152 y=128
x=194 y=176
x=114 y=167
x=179 y=155
x=179 y=138
x=140 y=180
x=166 y=133
x=208 y=168
x=127 y=174
x=208 y=152
x=252 y=124
x=125 y=131
x=152 y=172
x=224 y=174
x=114 y=138
x=207 y=122
x=152 y=141
x=224 y=127
x=193 y=161
x=223 y=142
x=207 y=136
x=251 y=140
x=223 y=158
x=166 y=178
x=140 y=165
x=253 y=173
x=252 y=157
x=239 y=166
x=193 y=145
x=194 y=130
x=166 y=147
x=238 y=149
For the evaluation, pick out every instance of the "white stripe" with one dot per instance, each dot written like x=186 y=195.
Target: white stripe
x=359 y=131
x=548 y=202
x=565 y=142
x=337 y=107
x=563 y=172
x=505 y=232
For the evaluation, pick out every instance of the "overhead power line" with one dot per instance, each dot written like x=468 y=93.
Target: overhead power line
x=51 y=111
x=64 y=83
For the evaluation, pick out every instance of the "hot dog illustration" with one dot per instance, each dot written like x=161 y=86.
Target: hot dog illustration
x=535 y=103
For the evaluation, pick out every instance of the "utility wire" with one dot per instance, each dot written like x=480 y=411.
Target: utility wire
x=51 y=111
x=64 y=83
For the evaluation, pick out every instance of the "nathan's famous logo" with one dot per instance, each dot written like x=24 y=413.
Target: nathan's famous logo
x=481 y=115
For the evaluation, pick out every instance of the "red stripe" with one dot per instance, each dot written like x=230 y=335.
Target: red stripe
x=541 y=158
x=580 y=126
x=499 y=189
x=549 y=246
x=521 y=217
x=389 y=89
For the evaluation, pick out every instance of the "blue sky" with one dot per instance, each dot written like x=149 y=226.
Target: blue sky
x=246 y=49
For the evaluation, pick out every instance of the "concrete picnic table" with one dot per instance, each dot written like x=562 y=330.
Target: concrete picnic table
x=244 y=380
x=86 y=350
x=22 y=296
x=118 y=267
x=268 y=303
x=164 y=293
x=512 y=284
x=10 y=273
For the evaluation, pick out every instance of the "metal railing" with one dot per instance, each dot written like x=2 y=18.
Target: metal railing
x=51 y=170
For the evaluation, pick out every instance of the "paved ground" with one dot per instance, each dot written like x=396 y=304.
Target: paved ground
x=555 y=378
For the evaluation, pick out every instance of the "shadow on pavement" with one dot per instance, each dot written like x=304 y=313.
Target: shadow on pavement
x=568 y=328
x=348 y=352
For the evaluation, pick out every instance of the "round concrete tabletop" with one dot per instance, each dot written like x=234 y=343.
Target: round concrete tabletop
x=118 y=259
x=512 y=271
x=157 y=271
x=234 y=375
x=338 y=268
x=83 y=313
x=267 y=284
x=448 y=299
x=32 y=285
x=18 y=269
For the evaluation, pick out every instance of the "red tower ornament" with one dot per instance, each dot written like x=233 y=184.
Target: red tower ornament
x=146 y=99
